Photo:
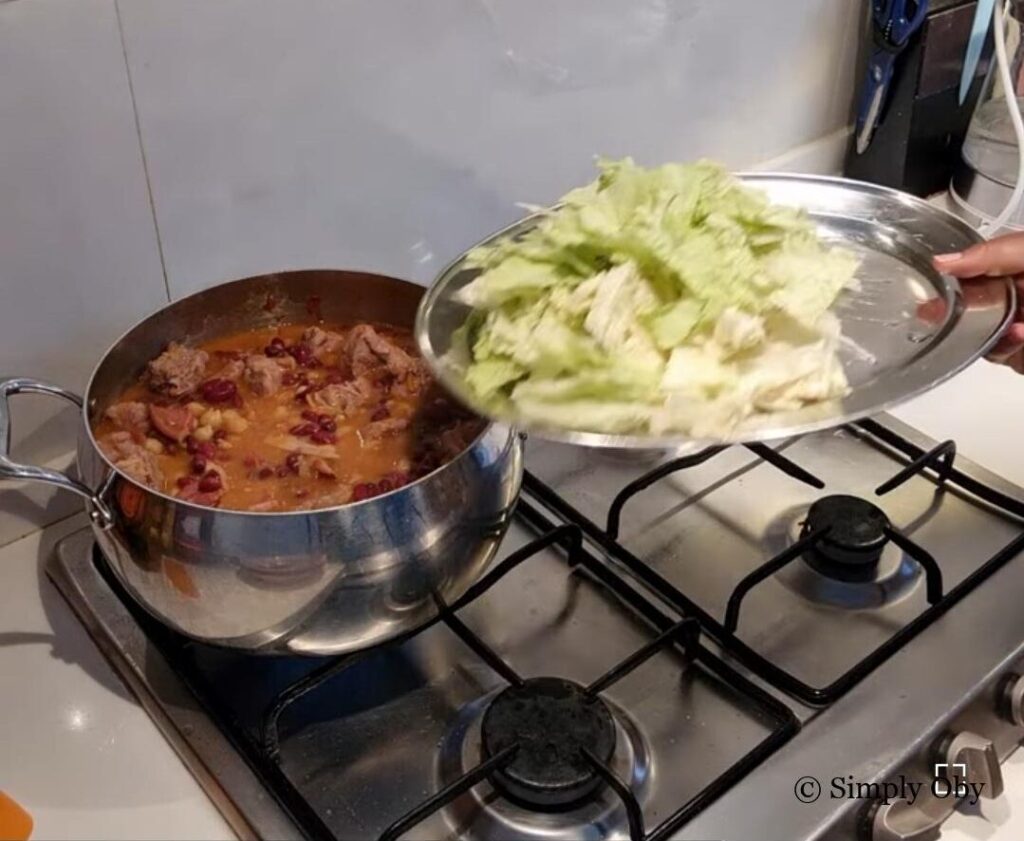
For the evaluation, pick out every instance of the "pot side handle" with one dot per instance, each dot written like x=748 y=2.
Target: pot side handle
x=10 y=469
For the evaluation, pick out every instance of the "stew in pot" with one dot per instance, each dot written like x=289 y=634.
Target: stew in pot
x=285 y=418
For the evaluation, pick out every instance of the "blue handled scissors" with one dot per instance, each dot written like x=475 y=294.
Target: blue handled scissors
x=894 y=21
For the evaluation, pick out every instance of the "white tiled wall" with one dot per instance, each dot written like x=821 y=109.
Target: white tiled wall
x=78 y=254
x=389 y=134
x=378 y=134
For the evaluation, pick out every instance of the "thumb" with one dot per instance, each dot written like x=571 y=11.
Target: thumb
x=995 y=258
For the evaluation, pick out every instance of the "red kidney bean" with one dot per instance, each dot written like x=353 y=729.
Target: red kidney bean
x=210 y=482
x=265 y=472
x=206 y=449
x=190 y=444
x=282 y=471
x=398 y=479
x=276 y=347
x=310 y=415
x=364 y=490
x=304 y=355
x=322 y=436
x=334 y=378
x=326 y=423
x=198 y=464
x=218 y=390
x=184 y=481
x=380 y=413
x=384 y=485
x=292 y=463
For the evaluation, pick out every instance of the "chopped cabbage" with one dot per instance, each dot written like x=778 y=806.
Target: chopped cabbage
x=673 y=299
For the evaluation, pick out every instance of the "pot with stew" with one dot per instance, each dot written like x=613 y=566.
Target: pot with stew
x=269 y=465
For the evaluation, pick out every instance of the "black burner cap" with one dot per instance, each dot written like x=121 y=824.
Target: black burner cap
x=550 y=719
x=855 y=539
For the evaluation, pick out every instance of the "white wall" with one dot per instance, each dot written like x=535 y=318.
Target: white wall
x=378 y=134
x=78 y=255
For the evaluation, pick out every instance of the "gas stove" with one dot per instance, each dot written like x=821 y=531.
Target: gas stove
x=818 y=639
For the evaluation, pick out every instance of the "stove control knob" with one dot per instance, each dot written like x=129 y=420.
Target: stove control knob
x=977 y=760
x=897 y=820
x=889 y=822
x=1011 y=699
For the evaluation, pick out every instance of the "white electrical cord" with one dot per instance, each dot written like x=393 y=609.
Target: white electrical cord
x=1000 y=16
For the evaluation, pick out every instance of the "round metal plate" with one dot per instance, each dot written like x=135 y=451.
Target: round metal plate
x=906 y=329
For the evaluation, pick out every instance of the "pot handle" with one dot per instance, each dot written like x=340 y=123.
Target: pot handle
x=9 y=469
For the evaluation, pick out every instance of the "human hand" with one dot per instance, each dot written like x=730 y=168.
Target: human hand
x=999 y=257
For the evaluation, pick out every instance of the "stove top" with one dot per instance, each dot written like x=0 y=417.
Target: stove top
x=666 y=647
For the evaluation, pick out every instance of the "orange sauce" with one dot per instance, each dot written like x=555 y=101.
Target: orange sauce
x=255 y=470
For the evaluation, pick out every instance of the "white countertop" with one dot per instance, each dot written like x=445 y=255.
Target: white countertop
x=79 y=754
x=90 y=764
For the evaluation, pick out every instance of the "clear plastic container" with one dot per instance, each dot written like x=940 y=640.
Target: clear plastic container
x=989 y=159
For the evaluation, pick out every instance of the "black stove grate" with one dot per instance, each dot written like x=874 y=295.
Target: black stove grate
x=939 y=461
x=261 y=749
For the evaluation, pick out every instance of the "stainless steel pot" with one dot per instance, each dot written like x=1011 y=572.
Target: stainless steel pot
x=309 y=582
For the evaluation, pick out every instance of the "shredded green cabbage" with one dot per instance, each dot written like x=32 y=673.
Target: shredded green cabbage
x=673 y=299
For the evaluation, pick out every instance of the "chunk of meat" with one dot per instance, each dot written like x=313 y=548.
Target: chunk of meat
x=130 y=415
x=265 y=505
x=293 y=444
x=322 y=468
x=132 y=459
x=174 y=421
x=368 y=350
x=443 y=430
x=384 y=428
x=323 y=342
x=456 y=438
x=177 y=371
x=345 y=397
x=340 y=495
x=416 y=382
x=232 y=369
x=265 y=375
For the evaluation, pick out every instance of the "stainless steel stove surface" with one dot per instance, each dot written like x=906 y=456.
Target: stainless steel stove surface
x=679 y=669
x=704 y=528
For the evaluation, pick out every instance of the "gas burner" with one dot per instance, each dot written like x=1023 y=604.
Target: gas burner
x=488 y=813
x=853 y=544
x=551 y=722
x=891 y=577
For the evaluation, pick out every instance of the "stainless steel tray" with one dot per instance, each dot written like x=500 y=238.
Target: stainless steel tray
x=907 y=328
